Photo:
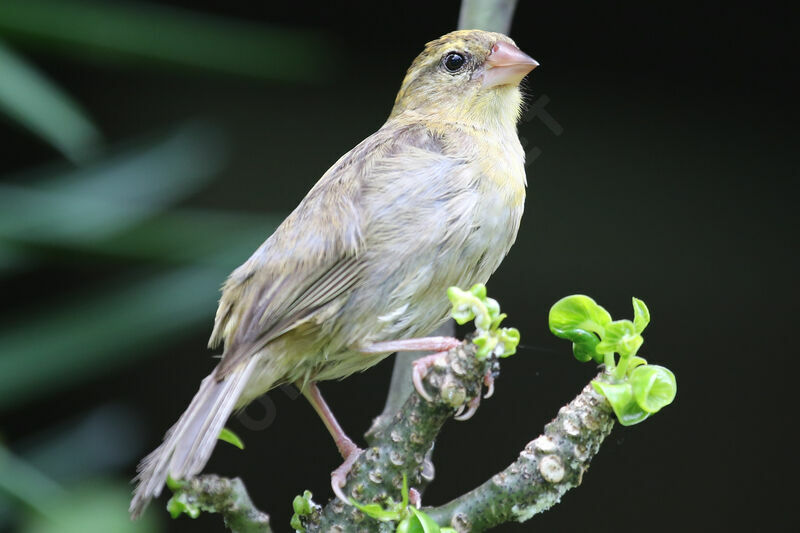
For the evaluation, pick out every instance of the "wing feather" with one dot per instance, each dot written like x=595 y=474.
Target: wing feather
x=314 y=258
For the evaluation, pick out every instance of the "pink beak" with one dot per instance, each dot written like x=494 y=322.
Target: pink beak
x=507 y=65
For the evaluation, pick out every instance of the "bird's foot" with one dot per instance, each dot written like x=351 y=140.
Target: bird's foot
x=339 y=476
x=472 y=405
x=420 y=370
x=440 y=345
x=488 y=380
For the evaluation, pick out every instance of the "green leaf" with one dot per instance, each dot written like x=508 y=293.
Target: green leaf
x=179 y=504
x=302 y=506
x=123 y=32
x=469 y=305
x=80 y=346
x=296 y=524
x=377 y=512
x=28 y=97
x=579 y=319
x=654 y=387
x=509 y=339
x=426 y=522
x=485 y=344
x=636 y=361
x=478 y=290
x=620 y=396
x=231 y=438
x=91 y=506
x=620 y=336
x=174 y=484
x=641 y=315
x=462 y=305
x=97 y=201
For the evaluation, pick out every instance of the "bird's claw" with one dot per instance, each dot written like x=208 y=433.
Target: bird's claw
x=420 y=370
x=339 y=476
x=414 y=497
x=488 y=380
x=472 y=408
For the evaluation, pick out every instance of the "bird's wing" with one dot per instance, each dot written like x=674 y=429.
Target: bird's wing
x=314 y=257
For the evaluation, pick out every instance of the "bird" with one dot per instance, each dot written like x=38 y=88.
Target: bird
x=361 y=267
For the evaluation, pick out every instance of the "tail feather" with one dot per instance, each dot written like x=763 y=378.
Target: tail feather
x=188 y=444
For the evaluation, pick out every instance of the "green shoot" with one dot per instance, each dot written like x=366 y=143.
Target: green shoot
x=634 y=389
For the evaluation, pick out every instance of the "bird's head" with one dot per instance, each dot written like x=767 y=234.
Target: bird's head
x=467 y=76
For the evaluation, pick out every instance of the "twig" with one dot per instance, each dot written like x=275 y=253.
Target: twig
x=401 y=447
x=489 y=15
x=216 y=494
x=401 y=385
x=547 y=467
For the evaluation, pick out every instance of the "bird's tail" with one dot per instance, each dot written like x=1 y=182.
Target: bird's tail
x=188 y=444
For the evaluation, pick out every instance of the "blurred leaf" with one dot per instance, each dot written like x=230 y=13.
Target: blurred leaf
x=84 y=337
x=96 y=507
x=137 y=31
x=25 y=484
x=97 y=201
x=208 y=237
x=11 y=257
x=28 y=97
x=105 y=439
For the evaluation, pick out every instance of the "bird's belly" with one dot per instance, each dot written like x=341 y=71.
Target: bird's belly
x=411 y=299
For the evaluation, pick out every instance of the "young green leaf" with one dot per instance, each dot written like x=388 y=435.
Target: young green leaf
x=296 y=524
x=620 y=336
x=509 y=339
x=302 y=506
x=579 y=319
x=426 y=523
x=174 y=484
x=374 y=510
x=179 y=504
x=231 y=438
x=641 y=315
x=654 y=387
x=620 y=396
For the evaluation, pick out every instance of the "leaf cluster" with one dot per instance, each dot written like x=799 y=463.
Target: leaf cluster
x=634 y=388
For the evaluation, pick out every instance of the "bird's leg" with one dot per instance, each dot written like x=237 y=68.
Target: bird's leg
x=426 y=344
x=440 y=345
x=346 y=446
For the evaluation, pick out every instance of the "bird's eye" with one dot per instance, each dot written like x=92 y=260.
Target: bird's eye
x=453 y=61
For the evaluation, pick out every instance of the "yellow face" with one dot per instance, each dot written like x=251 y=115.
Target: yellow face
x=467 y=76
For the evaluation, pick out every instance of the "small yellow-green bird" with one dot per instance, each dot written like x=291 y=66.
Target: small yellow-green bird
x=432 y=199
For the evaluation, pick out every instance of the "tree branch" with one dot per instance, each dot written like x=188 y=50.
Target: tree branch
x=401 y=446
x=547 y=467
x=401 y=386
x=216 y=494
x=489 y=15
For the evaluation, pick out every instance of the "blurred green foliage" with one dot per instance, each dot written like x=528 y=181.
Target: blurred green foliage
x=116 y=204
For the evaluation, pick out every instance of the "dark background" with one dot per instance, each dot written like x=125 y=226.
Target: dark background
x=671 y=179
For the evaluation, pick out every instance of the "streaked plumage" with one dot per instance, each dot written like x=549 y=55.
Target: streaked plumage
x=432 y=199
